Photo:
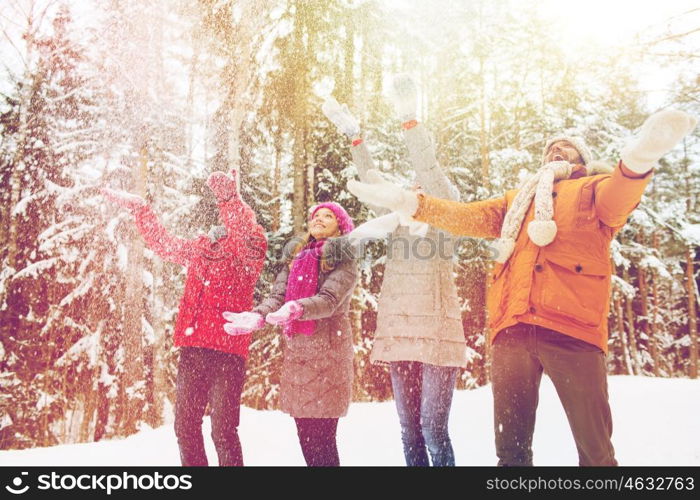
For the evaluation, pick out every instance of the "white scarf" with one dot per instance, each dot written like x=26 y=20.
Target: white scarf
x=543 y=229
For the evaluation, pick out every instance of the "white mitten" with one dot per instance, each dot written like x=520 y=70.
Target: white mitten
x=403 y=96
x=658 y=135
x=341 y=117
x=383 y=193
x=375 y=228
x=242 y=323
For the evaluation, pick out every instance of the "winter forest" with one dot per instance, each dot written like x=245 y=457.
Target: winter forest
x=151 y=96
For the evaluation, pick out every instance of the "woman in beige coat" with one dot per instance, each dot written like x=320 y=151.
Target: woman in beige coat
x=419 y=328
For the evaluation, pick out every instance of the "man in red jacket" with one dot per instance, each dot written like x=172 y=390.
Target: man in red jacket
x=222 y=269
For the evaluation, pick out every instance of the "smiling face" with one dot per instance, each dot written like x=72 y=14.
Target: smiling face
x=323 y=224
x=563 y=151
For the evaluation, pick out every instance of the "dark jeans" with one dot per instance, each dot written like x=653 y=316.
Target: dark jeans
x=317 y=440
x=423 y=395
x=214 y=377
x=577 y=369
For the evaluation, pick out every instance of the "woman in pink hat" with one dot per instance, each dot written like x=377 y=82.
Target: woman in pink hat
x=310 y=299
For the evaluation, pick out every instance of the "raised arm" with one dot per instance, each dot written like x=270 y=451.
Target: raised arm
x=421 y=149
x=245 y=237
x=429 y=174
x=348 y=125
x=619 y=194
x=166 y=246
x=478 y=219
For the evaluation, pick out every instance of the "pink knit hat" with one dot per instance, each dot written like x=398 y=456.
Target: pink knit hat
x=345 y=223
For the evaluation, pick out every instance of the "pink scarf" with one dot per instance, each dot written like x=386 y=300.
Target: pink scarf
x=302 y=282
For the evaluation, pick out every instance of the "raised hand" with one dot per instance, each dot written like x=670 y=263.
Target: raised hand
x=341 y=117
x=403 y=96
x=381 y=192
x=123 y=199
x=658 y=135
x=374 y=228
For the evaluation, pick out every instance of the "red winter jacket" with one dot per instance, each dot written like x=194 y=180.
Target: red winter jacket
x=221 y=276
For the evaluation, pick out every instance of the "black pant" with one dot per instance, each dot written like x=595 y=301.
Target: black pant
x=214 y=377
x=577 y=369
x=317 y=439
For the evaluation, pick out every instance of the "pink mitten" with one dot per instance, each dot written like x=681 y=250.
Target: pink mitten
x=242 y=323
x=288 y=312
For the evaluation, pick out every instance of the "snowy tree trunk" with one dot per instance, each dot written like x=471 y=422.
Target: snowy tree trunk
x=158 y=368
x=299 y=122
x=692 y=307
x=89 y=407
x=132 y=378
x=276 y=190
x=629 y=313
x=18 y=164
x=644 y=307
x=310 y=177
x=299 y=172
x=345 y=92
x=619 y=317
x=192 y=78
x=483 y=133
x=653 y=345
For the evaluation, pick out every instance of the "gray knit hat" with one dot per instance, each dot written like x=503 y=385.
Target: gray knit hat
x=576 y=141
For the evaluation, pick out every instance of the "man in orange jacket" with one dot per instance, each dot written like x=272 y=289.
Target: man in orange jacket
x=549 y=293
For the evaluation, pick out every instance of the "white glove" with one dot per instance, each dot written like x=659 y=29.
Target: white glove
x=658 y=135
x=383 y=226
x=383 y=193
x=403 y=96
x=242 y=323
x=375 y=228
x=341 y=117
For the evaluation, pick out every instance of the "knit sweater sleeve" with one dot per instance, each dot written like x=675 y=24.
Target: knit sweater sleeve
x=478 y=219
x=424 y=160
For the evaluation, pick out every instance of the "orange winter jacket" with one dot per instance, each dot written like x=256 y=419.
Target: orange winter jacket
x=564 y=286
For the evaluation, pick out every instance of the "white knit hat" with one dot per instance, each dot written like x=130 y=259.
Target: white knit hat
x=576 y=141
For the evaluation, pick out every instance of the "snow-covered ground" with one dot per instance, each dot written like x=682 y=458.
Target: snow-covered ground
x=656 y=422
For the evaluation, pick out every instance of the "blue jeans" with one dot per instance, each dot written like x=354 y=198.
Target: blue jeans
x=214 y=377
x=423 y=395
